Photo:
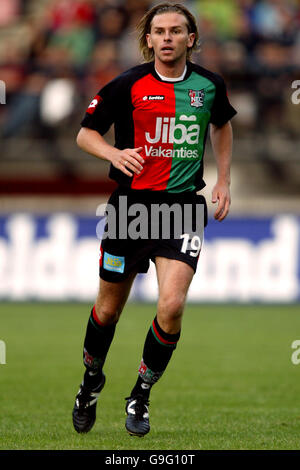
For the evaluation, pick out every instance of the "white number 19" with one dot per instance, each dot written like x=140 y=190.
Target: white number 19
x=195 y=244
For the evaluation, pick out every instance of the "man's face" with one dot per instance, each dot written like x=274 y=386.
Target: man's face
x=169 y=37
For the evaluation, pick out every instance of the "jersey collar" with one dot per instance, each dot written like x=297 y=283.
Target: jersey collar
x=187 y=74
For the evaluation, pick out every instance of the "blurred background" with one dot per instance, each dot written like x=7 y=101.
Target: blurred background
x=54 y=57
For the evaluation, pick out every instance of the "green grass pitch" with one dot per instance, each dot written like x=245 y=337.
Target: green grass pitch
x=231 y=383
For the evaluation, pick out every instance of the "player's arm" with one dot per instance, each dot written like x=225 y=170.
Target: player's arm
x=221 y=140
x=93 y=143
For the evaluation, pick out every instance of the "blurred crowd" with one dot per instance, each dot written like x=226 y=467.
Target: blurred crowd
x=56 y=54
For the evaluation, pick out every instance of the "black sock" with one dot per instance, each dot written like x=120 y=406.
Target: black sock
x=97 y=341
x=158 y=349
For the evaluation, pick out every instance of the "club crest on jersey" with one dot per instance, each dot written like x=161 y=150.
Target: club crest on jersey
x=197 y=98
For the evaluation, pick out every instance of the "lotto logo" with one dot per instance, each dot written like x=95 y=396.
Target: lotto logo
x=93 y=104
x=153 y=98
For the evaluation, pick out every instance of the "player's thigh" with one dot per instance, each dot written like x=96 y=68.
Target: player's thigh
x=112 y=297
x=174 y=278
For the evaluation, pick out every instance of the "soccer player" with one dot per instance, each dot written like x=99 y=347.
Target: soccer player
x=161 y=111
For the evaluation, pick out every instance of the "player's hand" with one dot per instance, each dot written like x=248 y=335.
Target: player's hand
x=221 y=194
x=129 y=161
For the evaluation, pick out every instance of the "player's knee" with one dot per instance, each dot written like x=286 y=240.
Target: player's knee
x=107 y=316
x=171 y=307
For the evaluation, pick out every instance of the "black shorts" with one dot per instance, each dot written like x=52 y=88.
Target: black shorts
x=141 y=225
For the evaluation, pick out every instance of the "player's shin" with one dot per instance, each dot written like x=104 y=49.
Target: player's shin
x=97 y=342
x=158 y=349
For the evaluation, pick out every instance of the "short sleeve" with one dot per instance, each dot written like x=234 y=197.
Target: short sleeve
x=221 y=110
x=100 y=114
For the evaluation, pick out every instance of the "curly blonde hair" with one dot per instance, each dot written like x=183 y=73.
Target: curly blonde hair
x=144 y=27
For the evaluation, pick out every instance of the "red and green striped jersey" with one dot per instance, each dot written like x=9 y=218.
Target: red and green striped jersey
x=168 y=119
